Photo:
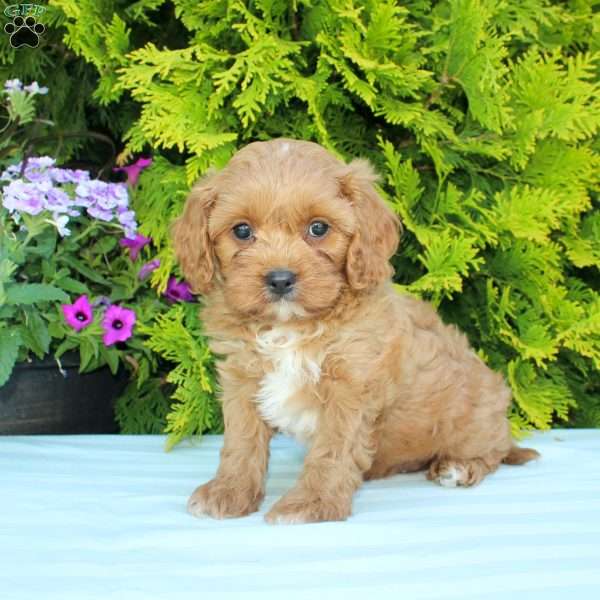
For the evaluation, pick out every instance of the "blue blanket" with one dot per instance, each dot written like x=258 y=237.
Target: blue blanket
x=103 y=517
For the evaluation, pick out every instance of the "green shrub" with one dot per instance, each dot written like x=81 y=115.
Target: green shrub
x=480 y=115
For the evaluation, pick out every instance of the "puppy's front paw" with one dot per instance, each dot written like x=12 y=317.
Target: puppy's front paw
x=223 y=499
x=302 y=507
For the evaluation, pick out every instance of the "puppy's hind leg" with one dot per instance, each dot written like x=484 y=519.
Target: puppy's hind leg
x=450 y=472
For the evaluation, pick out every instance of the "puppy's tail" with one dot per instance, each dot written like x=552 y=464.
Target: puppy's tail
x=519 y=456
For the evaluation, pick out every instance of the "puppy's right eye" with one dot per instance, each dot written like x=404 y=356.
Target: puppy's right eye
x=242 y=231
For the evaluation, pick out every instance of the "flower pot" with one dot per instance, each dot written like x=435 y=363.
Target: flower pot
x=38 y=398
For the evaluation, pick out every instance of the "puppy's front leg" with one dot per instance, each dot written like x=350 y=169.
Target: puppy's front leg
x=342 y=451
x=238 y=487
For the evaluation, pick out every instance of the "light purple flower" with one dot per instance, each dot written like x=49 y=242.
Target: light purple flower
x=79 y=314
x=101 y=301
x=92 y=188
x=36 y=169
x=23 y=197
x=61 y=222
x=133 y=171
x=118 y=324
x=11 y=172
x=126 y=217
x=34 y=88
x=127 y=220
x=135 y=245
x=106 y=201
x=148 y=268
x=11 y=85
x=41 y=162
x=58 y=200
x=178 y=291
x=68 y=175
x=99 y=213
x=118 y=192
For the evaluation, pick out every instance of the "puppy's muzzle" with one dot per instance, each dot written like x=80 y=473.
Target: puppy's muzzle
x=280 y=282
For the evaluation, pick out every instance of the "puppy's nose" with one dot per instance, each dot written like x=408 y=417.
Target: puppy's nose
x=280 y=281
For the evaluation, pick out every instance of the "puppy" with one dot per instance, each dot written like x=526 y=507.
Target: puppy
x=290 y=248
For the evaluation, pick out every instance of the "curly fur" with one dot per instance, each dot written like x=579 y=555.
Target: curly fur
x=373 y=381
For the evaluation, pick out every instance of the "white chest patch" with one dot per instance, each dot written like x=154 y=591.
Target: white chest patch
x=293 y=368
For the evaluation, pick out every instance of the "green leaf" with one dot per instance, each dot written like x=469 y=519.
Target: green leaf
x=85 y=270
x=72 y=285
x=88 y=352
x=35 y=335
x=33 y=293
x=9 y=350
x=111 y=356
x=65 y=346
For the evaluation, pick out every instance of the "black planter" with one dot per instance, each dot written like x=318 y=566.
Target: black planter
x=38 y=398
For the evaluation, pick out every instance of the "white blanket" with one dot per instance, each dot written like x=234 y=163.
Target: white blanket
x=103 y=517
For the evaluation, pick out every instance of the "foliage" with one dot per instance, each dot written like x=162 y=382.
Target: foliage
x=18 y=107
x=69 y=112
x=481 y=116
x=177 y=337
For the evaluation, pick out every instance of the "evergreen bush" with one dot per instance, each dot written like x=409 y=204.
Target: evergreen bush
x=481 y=116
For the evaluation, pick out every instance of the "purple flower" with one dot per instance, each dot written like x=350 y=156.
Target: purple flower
x=119 y=194
x=92 y=188
x=36 y=168
x=11 y=85
x=68 y=175
x=34 y=88
x=11 y=172
x=24 y=197
x=57 y=200
x=101 y=301
x=133 y=171
x=134 y=244
x=79 y=314
x=178 y=291
x=118 y=324
x=148 y=268
x=127 y=220
x=61 y=222
x=99 y=213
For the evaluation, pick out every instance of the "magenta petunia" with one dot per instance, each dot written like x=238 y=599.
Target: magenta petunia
x=79 y=314
x=133 y=171
x=135 y=244
x=148 y=268
x=178 y=291
x=118 y=324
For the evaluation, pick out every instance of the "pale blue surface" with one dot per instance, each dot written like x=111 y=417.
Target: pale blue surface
x=103 y=517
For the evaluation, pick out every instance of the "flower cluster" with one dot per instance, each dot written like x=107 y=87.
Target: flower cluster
x=117 y=322
x=15 y=85
x=64 y=193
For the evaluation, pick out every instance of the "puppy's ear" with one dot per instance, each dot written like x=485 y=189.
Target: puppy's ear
x=191 y=242
x=377 y=236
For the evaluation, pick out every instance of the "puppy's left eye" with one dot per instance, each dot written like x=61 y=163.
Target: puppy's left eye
x=242 y=231
x=318 y=229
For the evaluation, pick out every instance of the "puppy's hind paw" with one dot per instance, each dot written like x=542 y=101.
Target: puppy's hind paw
x=448 y=473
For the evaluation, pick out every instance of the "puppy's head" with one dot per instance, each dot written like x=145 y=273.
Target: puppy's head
x=284 y=229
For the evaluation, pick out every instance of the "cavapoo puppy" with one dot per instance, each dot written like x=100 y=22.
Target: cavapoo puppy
x=290 y=249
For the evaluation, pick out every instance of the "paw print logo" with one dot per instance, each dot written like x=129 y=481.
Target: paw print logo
x=24 y=32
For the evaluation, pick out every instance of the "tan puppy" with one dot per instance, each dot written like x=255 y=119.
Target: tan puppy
x=290 y=248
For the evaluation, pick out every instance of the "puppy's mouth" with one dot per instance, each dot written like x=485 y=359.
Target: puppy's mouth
x=284 y=309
